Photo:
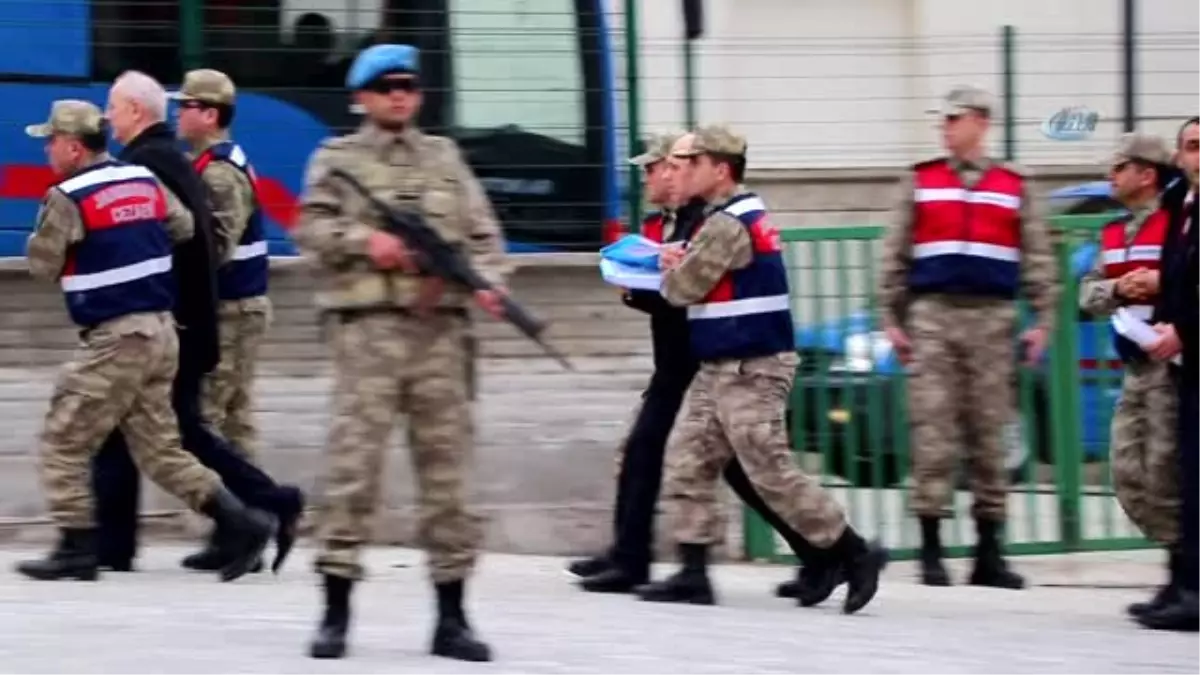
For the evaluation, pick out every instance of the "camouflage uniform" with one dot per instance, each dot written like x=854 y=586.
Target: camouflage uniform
x=961 y=374
x=735 y=408
x=1143 y=454
x=228 y=402
x=400 y=344
x=123 y=373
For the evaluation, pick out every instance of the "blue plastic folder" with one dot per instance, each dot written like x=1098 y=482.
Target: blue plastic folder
x=631 y=262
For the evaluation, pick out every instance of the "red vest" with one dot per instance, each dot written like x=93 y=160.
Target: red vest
x=652 y=226
x=966 y=241
x=1143 y=251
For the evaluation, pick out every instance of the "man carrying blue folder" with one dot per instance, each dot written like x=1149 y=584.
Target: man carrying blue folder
x=626 y=564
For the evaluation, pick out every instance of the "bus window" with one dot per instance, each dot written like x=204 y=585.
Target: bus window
x=505 y=77
x=135 y=35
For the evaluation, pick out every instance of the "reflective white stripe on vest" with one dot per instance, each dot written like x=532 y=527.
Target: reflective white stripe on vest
x=237 y=156
x=120 y=275
x=924 y=195
x=1143 y=312
x=1144 y=252
x=971 y=248
x=108 y=174
x=746 y=206
x=248 y=251
x=743 y=307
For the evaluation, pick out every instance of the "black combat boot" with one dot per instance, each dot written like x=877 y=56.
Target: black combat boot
x=73 y=557
x=1181 y=614
x=990 y=567
x=863 y=562
x=330 y=641
x=589 y=567
x=816 y=580
x=244 y=532
x=689 y=585
x=1166 y=594
x=933 y=571
x=212 y=557
x=453 y=637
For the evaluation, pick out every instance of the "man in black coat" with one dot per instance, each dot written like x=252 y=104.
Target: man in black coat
x=1177 y=317
x=627 y=562
x=136 y=112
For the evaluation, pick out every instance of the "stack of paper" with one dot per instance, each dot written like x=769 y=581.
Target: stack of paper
x=631 y=262
x=1128 y=325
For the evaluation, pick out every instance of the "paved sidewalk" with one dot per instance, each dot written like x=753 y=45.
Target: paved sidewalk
x=163 y=619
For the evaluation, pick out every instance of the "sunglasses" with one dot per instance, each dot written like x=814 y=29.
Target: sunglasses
x=387 y=85
x=193 y=104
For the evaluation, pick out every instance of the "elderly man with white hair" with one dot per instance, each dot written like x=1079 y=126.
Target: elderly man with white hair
x=137 y=109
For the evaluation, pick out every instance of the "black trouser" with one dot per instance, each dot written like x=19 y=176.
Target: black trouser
x=1189 y=483
x=640 y=480
x=116 y=484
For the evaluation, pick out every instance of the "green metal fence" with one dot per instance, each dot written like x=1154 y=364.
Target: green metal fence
x=848 y=419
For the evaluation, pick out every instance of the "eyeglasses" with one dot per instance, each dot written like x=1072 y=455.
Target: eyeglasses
x=386 y=85
x=1192 y=145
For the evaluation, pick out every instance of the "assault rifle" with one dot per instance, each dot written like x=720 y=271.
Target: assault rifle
x=437 y=257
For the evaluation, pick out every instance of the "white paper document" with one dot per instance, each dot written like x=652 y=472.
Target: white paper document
x=1133 y=328
x=630 y=277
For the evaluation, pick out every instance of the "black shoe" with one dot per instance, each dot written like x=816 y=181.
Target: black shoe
x=932 y=570
x=589 y=567
x=614 y=580
x=990 y=567
x=1182 y=615
x=289 y=522
x=330 y=640
x=453 y=637
x=73 y=557
x=244 y=532
x=863 y=562
x=689 y=585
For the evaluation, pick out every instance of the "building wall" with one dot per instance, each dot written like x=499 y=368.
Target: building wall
x=825 y=84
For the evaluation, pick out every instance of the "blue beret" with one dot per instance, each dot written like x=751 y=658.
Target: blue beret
x=380 y=59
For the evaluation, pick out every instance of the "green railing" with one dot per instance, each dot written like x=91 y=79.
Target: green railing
x=848 y=417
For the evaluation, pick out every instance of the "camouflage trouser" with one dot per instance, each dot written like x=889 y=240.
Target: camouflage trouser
x=228 y=400
x=736 y=408
x=387 y=364
x=121 y=377
x=960 y=388
x=1144 y=450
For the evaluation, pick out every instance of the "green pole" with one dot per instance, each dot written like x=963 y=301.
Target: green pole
x=632 y=113
x=1008 y=46
x=191 y=33
x=689 y=83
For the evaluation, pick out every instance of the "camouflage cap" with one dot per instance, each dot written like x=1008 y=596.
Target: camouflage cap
x=208 y=86
x=715 y=139
x=69 y=116
x=655 y=149
x=1142 y=147
x=964 y=98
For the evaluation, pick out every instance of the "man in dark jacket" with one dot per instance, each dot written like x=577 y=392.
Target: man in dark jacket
x=627 y=563
x=137 y=113
x=1177 y=317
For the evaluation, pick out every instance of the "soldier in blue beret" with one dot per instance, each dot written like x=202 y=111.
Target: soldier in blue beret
x=399 y=340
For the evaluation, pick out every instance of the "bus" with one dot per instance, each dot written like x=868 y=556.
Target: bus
x=526 y=88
